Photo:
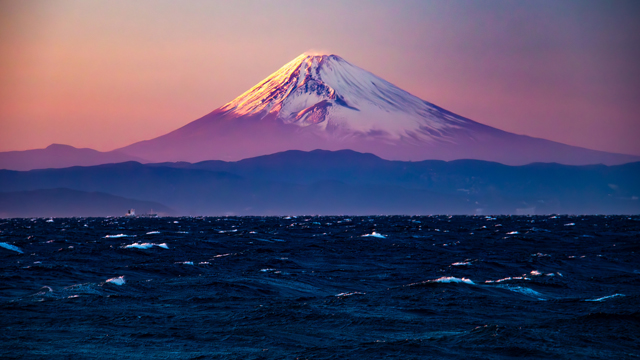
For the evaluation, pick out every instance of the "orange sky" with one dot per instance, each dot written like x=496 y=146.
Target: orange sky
x=104 y=74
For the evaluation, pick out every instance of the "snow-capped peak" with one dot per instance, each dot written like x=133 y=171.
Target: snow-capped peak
x=329 y=93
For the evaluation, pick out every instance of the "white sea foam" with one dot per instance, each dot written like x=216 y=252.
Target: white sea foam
x=117 y=280
x=535 y=273
x=11 y=247
x=506 y=279
x=461 y=263
x=605 y=297
x=118 y=236
x=513 y=233
x=350 y=294
x=451 y=279
x=186 y=262
x=570 y=224
x=145 y=246
x=153 y=232
x=375 y=234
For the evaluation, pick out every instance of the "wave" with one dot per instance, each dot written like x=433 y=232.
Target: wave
x=11 y=247
x=375 y=234
x=117 y=280
x=445 y=280
x=605 y=297
x=145 y=246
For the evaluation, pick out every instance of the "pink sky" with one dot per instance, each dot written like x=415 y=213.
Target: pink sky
x=104 y=74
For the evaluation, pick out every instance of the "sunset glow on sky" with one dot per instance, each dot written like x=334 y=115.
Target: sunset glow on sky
x=105 y=74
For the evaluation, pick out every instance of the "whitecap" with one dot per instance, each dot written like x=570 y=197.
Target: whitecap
x=513 y=233
x=375 y=234
x=145 y=246
x=605 y=297
x=506 y=279
x=350 y=294
x=535 y=273
x=118 y=236
x=451 y=279
x=117 y=280
x=461 y=263
x=11 y=247
x=570 y=224
x=186 y=262
x=153 y=232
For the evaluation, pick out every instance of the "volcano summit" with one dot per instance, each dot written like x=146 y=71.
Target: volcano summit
x=324 y=102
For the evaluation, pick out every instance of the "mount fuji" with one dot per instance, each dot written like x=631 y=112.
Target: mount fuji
x=324 y=102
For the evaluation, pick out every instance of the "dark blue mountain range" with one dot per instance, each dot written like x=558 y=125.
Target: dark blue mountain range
x=339 y=182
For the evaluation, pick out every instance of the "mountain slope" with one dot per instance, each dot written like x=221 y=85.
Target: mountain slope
x=59 y=156
x=324 y=102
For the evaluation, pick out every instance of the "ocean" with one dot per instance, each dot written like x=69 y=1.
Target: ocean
x=329 y=287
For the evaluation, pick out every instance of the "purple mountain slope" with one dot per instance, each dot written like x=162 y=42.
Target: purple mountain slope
x=60 y=156
x=324 y=102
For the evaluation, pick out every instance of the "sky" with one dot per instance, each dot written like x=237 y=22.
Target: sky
x=105 y=74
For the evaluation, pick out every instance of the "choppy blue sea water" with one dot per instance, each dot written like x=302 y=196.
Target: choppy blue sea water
x=392 y=287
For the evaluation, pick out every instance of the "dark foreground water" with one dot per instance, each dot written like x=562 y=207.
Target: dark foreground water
x=320 y=288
